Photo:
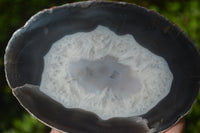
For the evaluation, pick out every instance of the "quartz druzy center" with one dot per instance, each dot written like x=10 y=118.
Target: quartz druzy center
x=105 y=73
x=108 y=74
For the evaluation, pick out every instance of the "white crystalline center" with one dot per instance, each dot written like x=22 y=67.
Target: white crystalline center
x=105 y=73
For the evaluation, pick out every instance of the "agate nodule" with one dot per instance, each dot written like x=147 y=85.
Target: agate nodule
x=27 y=50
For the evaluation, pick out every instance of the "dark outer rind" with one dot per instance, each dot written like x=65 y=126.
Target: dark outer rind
x=149 y=29
x=76 y=120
